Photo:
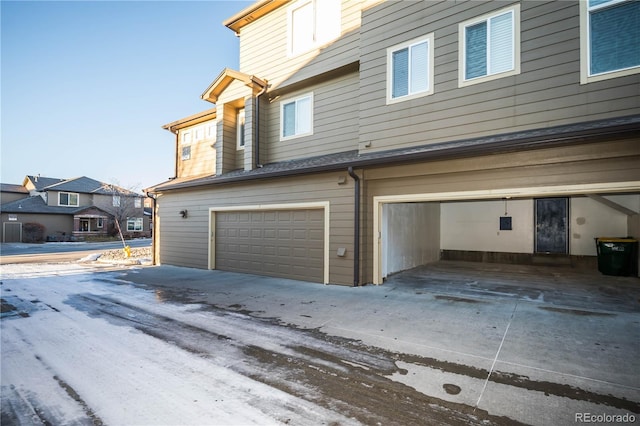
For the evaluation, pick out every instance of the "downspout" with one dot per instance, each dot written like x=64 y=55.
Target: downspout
x=356 y=228
x=256 y=131
x=175 y=173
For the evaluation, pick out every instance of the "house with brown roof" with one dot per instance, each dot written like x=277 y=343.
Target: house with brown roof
x=71 y=209
x=363 y=138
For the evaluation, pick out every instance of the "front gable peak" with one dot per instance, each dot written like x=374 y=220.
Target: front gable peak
x=225 y=78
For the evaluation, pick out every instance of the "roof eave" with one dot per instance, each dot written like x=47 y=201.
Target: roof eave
x=518 y=141
x=251 y=13
x=191 y=120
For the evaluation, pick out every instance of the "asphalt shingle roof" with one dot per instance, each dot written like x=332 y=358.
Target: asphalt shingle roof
x=36 y=204
x=10 y=187
x=87 y=185
x=526 y=139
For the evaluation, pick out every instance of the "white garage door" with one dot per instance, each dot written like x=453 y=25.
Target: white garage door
x=278 y=243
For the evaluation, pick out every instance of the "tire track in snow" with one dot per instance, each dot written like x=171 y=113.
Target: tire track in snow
x=336 y=373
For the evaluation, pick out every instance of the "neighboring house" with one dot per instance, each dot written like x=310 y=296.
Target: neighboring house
x=72 y=209
x=362 y=138
x=10 y=192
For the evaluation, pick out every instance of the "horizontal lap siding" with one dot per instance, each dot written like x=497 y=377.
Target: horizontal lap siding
x=607 y=162
x=263 y=48
x=335 y=122
x=547 y=92
x=184 y=242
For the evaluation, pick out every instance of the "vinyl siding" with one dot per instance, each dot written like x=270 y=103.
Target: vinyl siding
x=184 y=242
x=547 y=92
x=203 y=153
x=606 y=162
x=335 y=122
x=263 y=47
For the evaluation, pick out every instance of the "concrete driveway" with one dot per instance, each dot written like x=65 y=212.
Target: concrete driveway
x=537 y=345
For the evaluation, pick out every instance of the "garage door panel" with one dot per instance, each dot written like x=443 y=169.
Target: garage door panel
x=283 y=243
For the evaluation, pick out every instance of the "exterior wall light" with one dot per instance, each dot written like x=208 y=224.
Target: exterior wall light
x=184 y=213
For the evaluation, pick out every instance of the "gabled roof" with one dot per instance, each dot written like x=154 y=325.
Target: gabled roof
x=40 y=183
x=11 y=187
x=36 y=204
x=251 y=13
x=87 y=185
x=225 y=78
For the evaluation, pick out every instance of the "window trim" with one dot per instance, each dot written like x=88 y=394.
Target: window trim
x=288 y=101
x=585 y=51
x=135 y=221
x=183 y=149
x=430 y=39
x=185 y=137
x=462 y=81
x=240 y=136
x=69 y=194
x=316 y=43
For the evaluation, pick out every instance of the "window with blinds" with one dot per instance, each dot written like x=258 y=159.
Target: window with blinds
x=614 y=35
x=296 y=117
x=410 y=69
x=490 y=47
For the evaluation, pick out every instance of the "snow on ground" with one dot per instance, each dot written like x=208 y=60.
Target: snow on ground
x=64 y=361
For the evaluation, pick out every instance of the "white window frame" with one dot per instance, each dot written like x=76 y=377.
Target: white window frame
x=240 y=126
x=211 y=131
x=585 y=50
x=100 y=222
x=137 y=224
x=116 y=201
x=69 y=195
x=198 y=133
x=429 y=39
x=462 y=80
x=185 y=152
x=137 y=203
x=185 y=137
x=322 y=32
x=296 y=100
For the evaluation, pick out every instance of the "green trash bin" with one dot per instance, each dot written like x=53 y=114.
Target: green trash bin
x=617 y=256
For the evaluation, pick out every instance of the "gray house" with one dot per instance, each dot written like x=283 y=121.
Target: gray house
x=71 y=209
x=363 y=138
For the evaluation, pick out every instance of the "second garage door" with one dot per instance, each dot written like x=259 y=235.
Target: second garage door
x=278 y=243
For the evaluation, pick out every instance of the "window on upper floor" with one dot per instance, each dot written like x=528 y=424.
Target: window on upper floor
x=489 y=46
x=70 y=199
x=198 y=134
x=186 y=137
x=185 y=145
x=211 y=131
x=312 y=23
x=240 y=129
x=410 y=69
x=185 y=153
x=610 y=39
x=296 y=117
x=115 y=201
x=137 y=203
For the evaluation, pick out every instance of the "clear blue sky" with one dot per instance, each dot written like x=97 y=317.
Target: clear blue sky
x=87 y=85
